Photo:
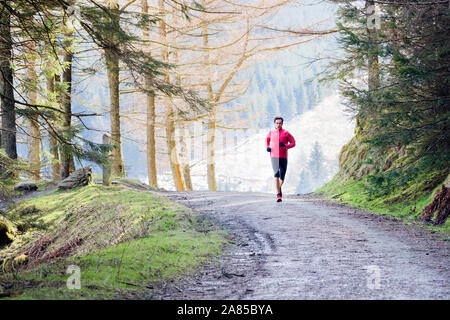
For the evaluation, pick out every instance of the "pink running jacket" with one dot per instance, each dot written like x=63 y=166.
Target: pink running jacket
x=273 y=141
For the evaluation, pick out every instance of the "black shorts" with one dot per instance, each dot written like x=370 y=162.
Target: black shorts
x=279 y=166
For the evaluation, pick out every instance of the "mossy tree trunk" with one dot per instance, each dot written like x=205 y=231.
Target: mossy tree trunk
x=53 y=142
x=8 y=137
x=66 y=157
x=34 y=135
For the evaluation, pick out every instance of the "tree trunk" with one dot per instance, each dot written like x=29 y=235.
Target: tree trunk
x=8 y=138
x=54 y=149
x=170 y=123
x=112 y=66
x=184 y=155
x=172 y=148
x=34 y=137
x=106 y=168
x=151 y=147
x=210 y=151
x=55 y=162
x=372 y=66
x=66 y=157
x=71 y=164
x=151 y=116
x=116 y=139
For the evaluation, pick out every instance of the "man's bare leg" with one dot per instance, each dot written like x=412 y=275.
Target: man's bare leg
x=278 y=184
x=281 y=183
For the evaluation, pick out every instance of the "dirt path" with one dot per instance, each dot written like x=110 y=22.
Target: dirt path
x=26 y=195
x=310 y=248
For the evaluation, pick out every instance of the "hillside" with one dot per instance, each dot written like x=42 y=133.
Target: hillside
x=375 y=181
x=244 y=165
x=394 y=76
x=124 y=240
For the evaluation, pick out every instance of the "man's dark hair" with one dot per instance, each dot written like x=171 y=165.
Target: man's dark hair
x=278 y=118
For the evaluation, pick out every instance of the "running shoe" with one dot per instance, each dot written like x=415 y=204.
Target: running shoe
x=278 y=197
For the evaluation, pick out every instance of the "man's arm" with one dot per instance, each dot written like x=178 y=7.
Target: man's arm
x=268 y=140
x=291 y=141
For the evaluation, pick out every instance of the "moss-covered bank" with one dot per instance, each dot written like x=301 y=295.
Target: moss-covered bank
x=124 y=241
x=382 y=182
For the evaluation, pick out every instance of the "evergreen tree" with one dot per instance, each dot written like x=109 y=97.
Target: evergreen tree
x=97 y=32
x=316 y=164
x=304 y=185
x=396 y=77
x=293 y=104
x=313 y=175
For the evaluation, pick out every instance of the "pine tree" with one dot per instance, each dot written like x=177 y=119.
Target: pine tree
x=316 y=165
x=397 y=81
x=304 y=185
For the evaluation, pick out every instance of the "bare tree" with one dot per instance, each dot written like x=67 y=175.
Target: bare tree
x=170 y=115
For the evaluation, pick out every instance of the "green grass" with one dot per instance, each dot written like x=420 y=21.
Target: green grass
x=356 y=193
x=130 y=239
x=125 y=270
x=7 y=187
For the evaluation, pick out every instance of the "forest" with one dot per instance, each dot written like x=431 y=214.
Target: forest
x=152 y=54
x=395 y=77
x=88 y=87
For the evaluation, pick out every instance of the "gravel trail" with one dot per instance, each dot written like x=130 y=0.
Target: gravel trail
x=307 y=247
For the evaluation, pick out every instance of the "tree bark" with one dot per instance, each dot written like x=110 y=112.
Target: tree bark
x=55 y=162
x=151 y=146
x=34 y=138
x=151 y=117
x=106 y=168
x=112 y=66
x=210 y=151
x=172 y=148
x=66 y=158
x=184 y=155
x=8 y=137
x=170 y=123
x=372 y=67
x=54 y=149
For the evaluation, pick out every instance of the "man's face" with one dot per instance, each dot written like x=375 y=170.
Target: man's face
x=278 y=124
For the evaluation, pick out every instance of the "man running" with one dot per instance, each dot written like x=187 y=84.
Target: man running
x=278 y=142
